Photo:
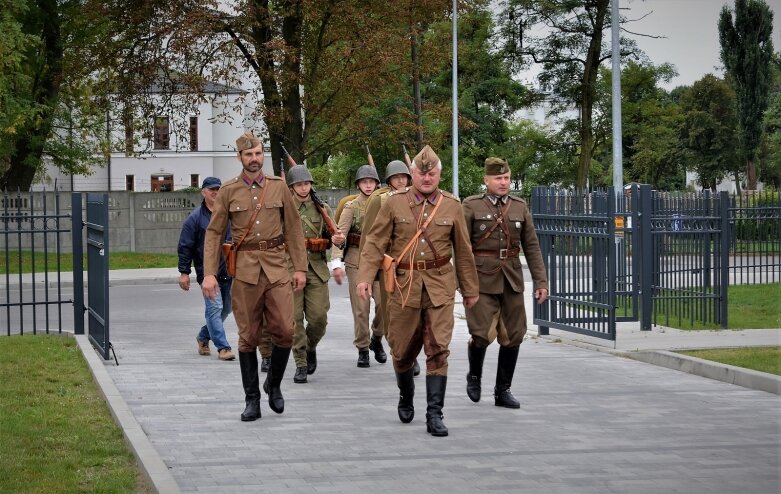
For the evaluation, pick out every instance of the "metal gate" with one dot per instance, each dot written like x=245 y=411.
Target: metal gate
x=97 y=272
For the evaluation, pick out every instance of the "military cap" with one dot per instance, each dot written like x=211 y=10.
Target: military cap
x=247 y=140
x=426 y=159
x=496 y=166
x=211 y=183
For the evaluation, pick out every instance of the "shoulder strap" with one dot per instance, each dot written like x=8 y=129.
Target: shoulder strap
x=422 y=227
x=254 y=215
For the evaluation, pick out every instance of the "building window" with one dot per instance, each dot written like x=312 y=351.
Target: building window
x=194 y=180
x=162 y=133
x=130 y=182
x=193 y=133
x=162 y=183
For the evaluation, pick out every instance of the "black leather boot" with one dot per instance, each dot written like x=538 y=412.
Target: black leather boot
x=248 y=362
x=406 y=385
x=435 y=396
x=300 y=375
x=279 y=358
x=311 y=361
x=264 y=363
x=505 y=369
x=363 y=358
x=476 y=357
x=379 y=352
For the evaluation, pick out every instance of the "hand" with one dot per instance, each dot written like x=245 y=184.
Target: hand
x=210 y=287
x=184 y=281
x=299 y=281
x=337 y=238
x=338 y=275
x=364 y=290
x=470 y=302
x=541 y=294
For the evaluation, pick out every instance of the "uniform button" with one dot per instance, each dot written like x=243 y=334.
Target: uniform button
x=255 y=198
x=257 y=234
x=423 y=240
x=257 y=222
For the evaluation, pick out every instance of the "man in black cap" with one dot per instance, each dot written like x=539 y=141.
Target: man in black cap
x=191 y=252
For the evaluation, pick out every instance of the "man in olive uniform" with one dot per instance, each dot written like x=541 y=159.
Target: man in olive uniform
x=264 y=219
x=499 y=226
x=420 y=228
x=351 y=221
x=313 y=301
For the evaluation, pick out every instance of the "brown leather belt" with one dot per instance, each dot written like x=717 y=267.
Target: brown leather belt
x=354 y=239
x=263 y=244
x=422 y=265
x=498 y=254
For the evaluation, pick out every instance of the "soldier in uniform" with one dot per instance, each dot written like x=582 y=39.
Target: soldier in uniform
x=313 y=301
x=351 y=221
x=420 y=228
x=262 y=287
x=499 y=226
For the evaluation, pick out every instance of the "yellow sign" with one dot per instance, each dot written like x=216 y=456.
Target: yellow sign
x=619 y=222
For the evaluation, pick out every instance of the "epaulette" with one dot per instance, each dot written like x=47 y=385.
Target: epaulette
x=516 y=198
x=232 y=181
x=449 y=195
x=273 y=177
x=393 y=192
x=474 y=197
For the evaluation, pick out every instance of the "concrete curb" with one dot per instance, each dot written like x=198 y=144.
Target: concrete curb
x=155 y=470
x=739 y=376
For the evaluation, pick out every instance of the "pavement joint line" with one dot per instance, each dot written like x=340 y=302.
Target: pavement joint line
x=149 y=460
x=731 y=374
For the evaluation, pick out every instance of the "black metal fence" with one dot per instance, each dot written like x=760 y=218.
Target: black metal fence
x=755 y=243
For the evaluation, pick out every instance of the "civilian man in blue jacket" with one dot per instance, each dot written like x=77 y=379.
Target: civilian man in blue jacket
x=191 y=252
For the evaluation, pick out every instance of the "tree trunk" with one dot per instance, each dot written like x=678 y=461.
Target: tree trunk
x=751 y=175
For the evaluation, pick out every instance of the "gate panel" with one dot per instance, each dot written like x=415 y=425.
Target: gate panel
x=577 y=239
x=97 y=272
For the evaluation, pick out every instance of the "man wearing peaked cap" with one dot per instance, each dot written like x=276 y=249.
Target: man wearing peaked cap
x=500 y=227
x=420 y=228
x=263 y=218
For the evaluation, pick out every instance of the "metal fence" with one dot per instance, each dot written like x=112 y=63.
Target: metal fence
x=755 y=243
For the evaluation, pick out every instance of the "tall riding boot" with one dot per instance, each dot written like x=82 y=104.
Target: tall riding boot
x=435 y=395
x=279 y=358
x=248 y=361
x=406 y=385
x=505 y=369
x=476 y=357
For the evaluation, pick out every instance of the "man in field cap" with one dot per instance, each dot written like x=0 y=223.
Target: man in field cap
x=420 y=228
x=499 y=226
x=264 y=220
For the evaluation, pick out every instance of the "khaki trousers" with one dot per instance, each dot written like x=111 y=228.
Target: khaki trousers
x=507 y=307
x=361 y=310
x=252 y=303
x=313 y=303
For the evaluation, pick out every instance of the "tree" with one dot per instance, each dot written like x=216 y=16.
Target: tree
x=709 y=129
x=746 y=51
x=566 y=38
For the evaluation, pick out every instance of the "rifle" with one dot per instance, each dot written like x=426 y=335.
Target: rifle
x=406 y=155
x=369 y=155
x=319 y=204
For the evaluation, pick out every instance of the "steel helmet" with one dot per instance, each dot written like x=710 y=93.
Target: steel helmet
x=396 y=167
x=298 y=174
x=366 y=171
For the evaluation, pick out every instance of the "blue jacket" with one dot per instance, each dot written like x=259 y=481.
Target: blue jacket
x=190 y=247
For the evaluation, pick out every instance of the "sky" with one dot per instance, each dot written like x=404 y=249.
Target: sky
x=691 y=34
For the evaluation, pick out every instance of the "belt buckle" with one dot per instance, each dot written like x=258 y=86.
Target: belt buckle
x=262 y=245
x=502 y=253
x=421 y=265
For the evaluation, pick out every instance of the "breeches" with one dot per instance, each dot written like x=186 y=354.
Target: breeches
x=254 y=303
x=482 y=317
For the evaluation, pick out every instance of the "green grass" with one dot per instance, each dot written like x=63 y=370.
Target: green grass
x=56 y=432
x=763 y=359
x=116 y=260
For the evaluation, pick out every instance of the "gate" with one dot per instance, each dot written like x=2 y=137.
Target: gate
x=97 y=272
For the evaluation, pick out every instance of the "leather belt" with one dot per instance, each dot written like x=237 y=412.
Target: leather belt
x=354 y=239
x=498 y=254
x=263 y=244
x=423 y=265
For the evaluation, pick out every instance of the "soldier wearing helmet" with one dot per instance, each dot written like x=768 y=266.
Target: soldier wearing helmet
x=351 y=221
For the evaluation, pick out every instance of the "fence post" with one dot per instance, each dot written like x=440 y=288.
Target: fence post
x=78 y=264
x=726 y=235
x=647 y=256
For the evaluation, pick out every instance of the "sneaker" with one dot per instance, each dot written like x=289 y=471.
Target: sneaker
x=203 y=347
x=226 y=354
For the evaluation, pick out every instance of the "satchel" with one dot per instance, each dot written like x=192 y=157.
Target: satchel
x=229 y=253
x=389 y=273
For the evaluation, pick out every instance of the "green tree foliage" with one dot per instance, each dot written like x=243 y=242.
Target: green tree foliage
x=709 y=127
x=770 y=151
x=746 y=51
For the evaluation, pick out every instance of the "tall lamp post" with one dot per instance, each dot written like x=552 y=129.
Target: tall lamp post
x=455 y=98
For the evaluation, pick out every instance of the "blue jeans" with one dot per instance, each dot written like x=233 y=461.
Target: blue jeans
x=217 y=311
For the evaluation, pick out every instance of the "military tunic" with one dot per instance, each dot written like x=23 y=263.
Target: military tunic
x=313 y=301
x=351 y=221
x=422 y=304
x=499 y=266
x=262 y=284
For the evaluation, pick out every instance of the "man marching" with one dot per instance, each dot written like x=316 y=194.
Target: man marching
x=421 y=229
x=499 y=226
x=264 y=220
